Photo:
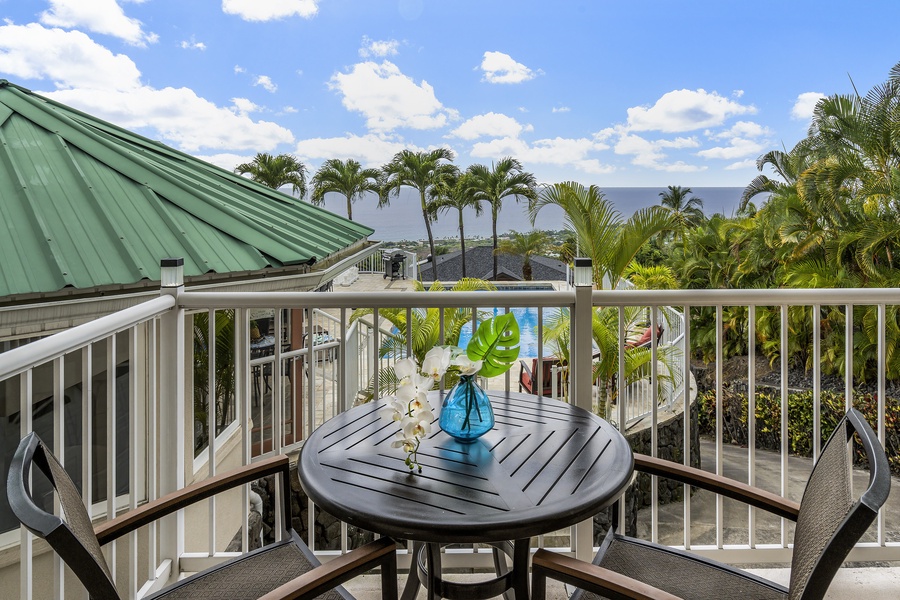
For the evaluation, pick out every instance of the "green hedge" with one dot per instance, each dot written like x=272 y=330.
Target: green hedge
x=800 y=420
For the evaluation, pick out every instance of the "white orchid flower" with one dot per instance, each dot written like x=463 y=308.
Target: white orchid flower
x=436 y=362
x=466 y=365
x=405 y=368
x=418 y=426
x=389 y=412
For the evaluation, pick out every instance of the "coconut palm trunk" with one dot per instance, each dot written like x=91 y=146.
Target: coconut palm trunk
x=506 y=178
x=424 y=171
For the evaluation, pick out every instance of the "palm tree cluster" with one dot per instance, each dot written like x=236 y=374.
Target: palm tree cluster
x=440 y=184
x=829 y=220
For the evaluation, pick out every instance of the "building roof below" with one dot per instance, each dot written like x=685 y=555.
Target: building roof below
x=88 y=205
x=480 y=264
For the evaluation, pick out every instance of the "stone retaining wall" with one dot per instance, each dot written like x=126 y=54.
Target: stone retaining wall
x=670 y=446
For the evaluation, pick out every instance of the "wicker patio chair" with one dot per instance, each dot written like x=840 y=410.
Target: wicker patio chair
x=285 y=569
x=829 y=523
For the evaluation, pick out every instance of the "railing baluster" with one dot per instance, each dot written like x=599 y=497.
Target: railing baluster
x=111 y=444
x=152 y=437
x=654 y=427
x=26 y=550
x=881 y=417
x=686 y=415
x=212 y=344
x=783 y=349
x=751 y=418
x=59 y=445
x=720 y=416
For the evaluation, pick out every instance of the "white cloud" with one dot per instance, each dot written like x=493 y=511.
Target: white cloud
x=744 y=164
x=179 y=116
x=738 y=148
x=109 y=86
x=489 y=125
x=244 y=106
x=379 y=48
x=805 y=104
x=737 y=93
x=649 y=153
x=388 y=99
x=567 y=152
x=685 y=110
x=561 y=109
x=745 y=138
x=501 y=68
x=226 y=160
x=100 y=16
x=289 y=110
x=265 y=82
x=370 y=150
x=67 y=58
x=745 y=129
x=270 y=10
x=238 y=69
x=192 y=44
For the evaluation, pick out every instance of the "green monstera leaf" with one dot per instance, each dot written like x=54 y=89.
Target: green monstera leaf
x=496 y=344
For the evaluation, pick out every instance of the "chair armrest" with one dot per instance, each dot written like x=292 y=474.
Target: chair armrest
x=165 y=505
x=586 y=576
x=347 y=566
x=731 y=488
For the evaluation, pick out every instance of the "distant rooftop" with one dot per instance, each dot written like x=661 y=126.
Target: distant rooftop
x=480 y=264
x=86 y=204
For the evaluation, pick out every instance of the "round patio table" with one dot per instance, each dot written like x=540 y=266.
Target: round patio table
x=544 y=466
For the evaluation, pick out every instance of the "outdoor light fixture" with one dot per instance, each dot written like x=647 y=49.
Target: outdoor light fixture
x=171 y=272
x=584 y=272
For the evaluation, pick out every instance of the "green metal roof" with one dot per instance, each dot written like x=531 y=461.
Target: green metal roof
x=86 y=204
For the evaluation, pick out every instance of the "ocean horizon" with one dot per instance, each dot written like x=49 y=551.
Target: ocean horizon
x=402 y=219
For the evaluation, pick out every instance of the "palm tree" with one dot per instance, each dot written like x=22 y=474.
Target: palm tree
x=222 y=348
x=347 y=178
x=686 y=213
x=788 y=165
x=602 y=235
x=276 y=171
x=503 y=180
x=525 y=245
x=421 y=171
x=454 y=194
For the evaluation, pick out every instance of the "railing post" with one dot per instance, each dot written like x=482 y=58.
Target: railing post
x=172 y=409
x=582 y=391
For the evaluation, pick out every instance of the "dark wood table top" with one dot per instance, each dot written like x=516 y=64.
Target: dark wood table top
x=545 y=465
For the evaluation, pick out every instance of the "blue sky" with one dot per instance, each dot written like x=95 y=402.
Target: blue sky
x=615 y=93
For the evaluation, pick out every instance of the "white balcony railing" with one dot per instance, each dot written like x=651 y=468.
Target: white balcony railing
x=127 y=382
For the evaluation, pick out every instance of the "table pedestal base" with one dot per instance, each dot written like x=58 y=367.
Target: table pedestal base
x=512 y=583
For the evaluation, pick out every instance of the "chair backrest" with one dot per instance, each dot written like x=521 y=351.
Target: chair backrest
x=546 y=375
x=830 y=521
x=72 y=534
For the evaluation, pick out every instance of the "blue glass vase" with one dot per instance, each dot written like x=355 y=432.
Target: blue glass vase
x=466 y=411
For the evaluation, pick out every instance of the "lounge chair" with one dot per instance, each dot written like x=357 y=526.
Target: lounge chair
x=644 y=340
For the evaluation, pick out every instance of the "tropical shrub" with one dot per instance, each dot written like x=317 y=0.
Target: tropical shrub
x=800 y=420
